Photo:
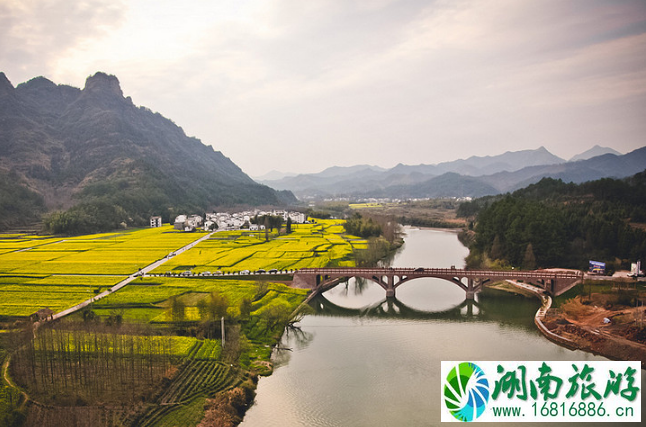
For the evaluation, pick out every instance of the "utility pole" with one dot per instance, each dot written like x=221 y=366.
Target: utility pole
x=222 y=327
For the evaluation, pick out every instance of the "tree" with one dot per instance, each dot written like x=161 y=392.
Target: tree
x=203 y=309
x=278 y=223
x=529 y=260
x=245 y=308
x=218 y=305
x=261 y=289
x=266 y=229
x=288 y=227
x=496 y=249
x=275 y=315
x=177 y=309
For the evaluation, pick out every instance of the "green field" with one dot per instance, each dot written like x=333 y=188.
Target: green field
x=146 y=298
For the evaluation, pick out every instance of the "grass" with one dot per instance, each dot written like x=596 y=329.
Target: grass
x=185 y=415
x=151 y=293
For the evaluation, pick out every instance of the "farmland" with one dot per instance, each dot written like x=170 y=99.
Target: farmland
x=162 y=332
x=310 y=245
x=58 y=273
x=112 y=253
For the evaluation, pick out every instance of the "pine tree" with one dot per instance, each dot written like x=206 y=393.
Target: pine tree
x=529 y=260
x=496 y=249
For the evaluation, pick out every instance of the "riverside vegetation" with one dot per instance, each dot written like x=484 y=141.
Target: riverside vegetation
x=150 y=354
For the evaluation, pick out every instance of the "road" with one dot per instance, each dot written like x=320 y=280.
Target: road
x=129 y=279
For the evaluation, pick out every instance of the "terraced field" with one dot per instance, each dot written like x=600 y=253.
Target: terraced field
x=201 y=376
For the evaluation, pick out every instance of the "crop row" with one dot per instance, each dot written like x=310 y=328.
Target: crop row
x=209 y=350
x=187 y=414
x=200 y=377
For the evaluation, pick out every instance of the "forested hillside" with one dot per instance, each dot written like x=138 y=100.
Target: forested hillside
x=554 y=224
x=111 y=162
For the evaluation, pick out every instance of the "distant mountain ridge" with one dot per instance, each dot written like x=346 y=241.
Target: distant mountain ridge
x=472 y=177
x=595 y=151
x=75 y=146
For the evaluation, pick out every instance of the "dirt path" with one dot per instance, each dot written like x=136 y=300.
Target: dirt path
x=7 y=379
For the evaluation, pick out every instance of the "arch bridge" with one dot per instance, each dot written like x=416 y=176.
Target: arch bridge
x=471 y=281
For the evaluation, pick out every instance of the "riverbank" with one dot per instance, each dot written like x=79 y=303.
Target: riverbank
x=590 y=328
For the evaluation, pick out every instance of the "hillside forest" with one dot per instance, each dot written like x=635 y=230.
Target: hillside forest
x=557 y=224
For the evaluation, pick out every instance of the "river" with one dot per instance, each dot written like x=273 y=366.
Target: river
x=363 y=361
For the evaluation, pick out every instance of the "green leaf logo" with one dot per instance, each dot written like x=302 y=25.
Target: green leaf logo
x=466 y=391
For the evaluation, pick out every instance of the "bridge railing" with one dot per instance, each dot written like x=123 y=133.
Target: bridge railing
x=455 y=272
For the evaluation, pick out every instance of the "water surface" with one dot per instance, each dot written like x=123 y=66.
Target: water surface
x=362 y=360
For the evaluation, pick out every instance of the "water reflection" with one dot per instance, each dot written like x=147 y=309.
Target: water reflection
x=293 y=339
x=489 y=306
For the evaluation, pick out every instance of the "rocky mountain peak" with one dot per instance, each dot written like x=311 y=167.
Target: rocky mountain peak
x=5 y=85
x=102 y=83
x=38 y=83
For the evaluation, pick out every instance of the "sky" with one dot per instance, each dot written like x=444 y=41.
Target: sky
x=298 y=86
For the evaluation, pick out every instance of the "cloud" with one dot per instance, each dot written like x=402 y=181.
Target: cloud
x=35 y=34
x=382 y=81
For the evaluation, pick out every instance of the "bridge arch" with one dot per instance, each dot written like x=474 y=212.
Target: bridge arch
x=322 y=279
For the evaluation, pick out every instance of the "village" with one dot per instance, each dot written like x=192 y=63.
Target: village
x=225 y=221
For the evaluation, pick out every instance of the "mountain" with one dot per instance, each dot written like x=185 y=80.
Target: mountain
x=478 y=166
x=93 y=145
x=339 y=171
x=372 y=181
x=273 y=175
x=605 y=166
x=327 y=182
x=472 y=177
x=449 y=184
x=594 y=152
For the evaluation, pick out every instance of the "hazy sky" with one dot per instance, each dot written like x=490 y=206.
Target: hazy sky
x=298 y=85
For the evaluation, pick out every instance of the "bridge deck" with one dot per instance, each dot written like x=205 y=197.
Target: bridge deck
x=455 y=272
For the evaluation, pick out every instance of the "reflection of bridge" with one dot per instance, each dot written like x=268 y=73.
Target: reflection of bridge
x=322 y=279
x=394 y=308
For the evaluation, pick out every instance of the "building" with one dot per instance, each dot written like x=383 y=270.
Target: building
x=180 y=222
x=42 y=314
x=155 y=221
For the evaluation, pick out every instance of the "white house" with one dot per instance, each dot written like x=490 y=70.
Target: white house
x=155 y=221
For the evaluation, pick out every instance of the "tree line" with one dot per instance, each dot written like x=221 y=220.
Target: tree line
x=18 y=204
x=83 y=363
